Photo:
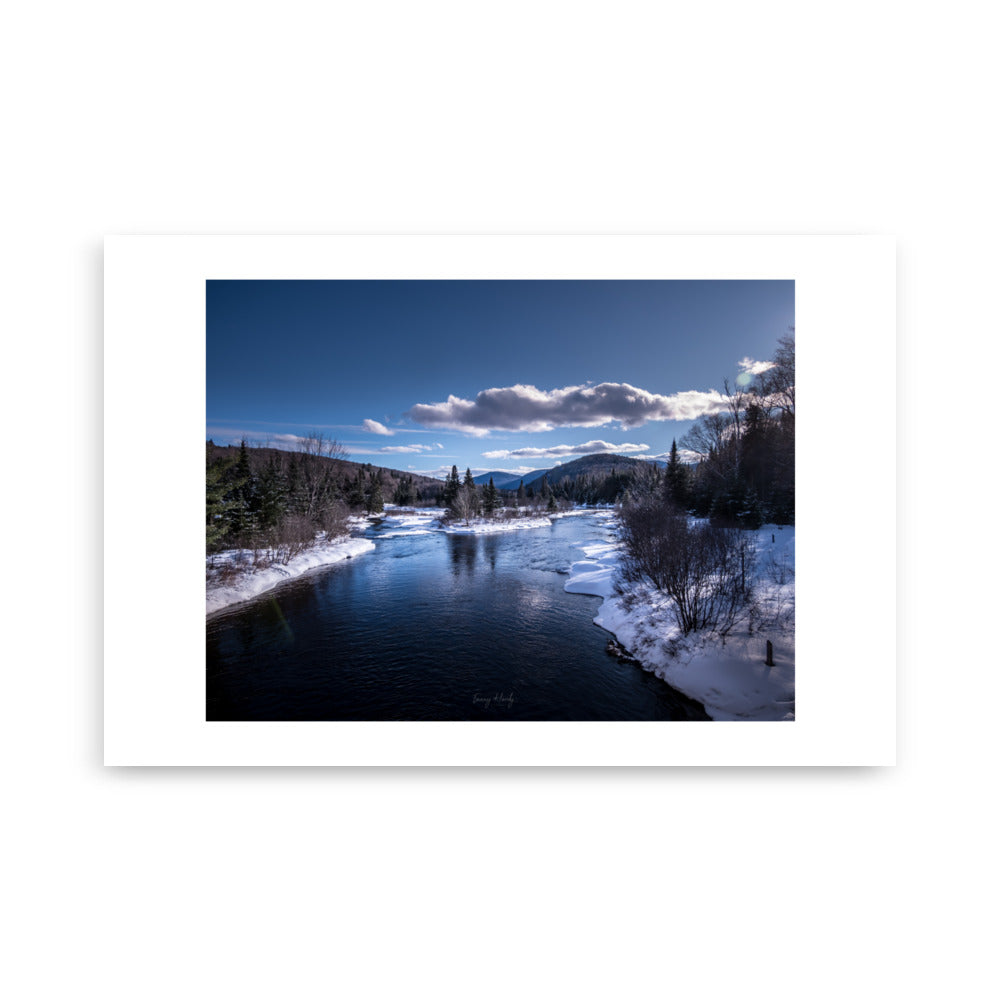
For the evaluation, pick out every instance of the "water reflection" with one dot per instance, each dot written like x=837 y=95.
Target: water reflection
x=463 y=549
x=490 y=545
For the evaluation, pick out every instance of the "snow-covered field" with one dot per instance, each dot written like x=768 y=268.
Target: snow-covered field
x=729 y=676
x=246 y=584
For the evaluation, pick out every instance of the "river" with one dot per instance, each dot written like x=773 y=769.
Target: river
x=433 y=626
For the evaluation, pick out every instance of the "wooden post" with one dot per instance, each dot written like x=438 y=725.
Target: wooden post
x=769 y=662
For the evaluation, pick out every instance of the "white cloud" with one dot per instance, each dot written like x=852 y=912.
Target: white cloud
x=374 y=427
x=686 y=456
x=561 y=450
x=526 y=408
x=752 y=367
x=441 y=472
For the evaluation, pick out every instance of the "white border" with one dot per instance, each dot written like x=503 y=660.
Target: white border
x=846 y=557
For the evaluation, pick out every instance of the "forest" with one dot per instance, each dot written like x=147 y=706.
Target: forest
x=262 y=497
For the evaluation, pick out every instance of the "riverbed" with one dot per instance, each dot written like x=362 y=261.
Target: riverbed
x=430 y=625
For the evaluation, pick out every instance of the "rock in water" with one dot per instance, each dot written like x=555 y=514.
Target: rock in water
x=619 y=652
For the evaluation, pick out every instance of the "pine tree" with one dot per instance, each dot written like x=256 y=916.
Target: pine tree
x=375 y=503
x=238 y=498
x=356 y=492
x=675 y=483
x=273 y=494
x=470 y=486
x=451 y=487
x=521 y=495
x=217 y=507
x=752 y=514
x=403 y=493
x=491 y=498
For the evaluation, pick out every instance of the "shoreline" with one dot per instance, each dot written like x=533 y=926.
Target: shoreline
x=728 y=677
x=250 y=585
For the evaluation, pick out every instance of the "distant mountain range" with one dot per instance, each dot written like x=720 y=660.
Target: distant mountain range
x=588 y=465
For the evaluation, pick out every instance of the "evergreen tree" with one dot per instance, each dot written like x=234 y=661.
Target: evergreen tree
x=241 y=497
x=403 y=493
x=491 y=498
x=470 y=486
x=752 y=514
x=375 y=504
x=521 y=496
x=451 y=487
x=217 y=507
x=356 y=492
x=675 y=480
x=273 y=490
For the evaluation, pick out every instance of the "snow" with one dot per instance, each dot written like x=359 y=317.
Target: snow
x=397 y=522
x=728 y=676
x=477 y=527
x=249 y=584
x=481 y=526
x=595 y=574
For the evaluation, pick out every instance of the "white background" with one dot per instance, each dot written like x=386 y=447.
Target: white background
x=526 y=118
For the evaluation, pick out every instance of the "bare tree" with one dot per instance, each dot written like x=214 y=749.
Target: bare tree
x=464 y=505
x=777 y=384
x=319 y=444
x=707 y=570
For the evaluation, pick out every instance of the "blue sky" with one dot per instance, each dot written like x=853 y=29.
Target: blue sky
x=517 y=375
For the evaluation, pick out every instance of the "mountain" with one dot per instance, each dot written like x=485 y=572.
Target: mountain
x=588 y=465
x=501 y=480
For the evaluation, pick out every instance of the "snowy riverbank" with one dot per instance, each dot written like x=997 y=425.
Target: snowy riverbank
x=728 y=677
x=232 y=579
x=492 y=527
x=397 y=521
x=229 y=587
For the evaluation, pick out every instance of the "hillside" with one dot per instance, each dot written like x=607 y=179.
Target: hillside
x=589 y=465
x=260 y=458
x=285 y=500
x=501 y=480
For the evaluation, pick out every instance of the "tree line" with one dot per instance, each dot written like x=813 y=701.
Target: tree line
x=466 y=500
x=745 y=475
x=265 y=498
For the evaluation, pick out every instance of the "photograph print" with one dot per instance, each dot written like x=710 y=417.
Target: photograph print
x=498 y=500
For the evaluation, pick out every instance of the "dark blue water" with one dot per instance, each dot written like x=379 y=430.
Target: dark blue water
x=433 y=626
